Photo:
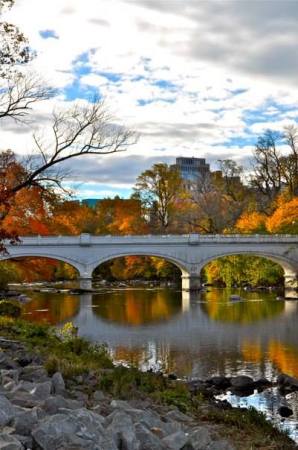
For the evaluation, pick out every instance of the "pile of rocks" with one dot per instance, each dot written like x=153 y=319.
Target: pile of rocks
x=39 y=412
x=241 y=385
x=244 y=386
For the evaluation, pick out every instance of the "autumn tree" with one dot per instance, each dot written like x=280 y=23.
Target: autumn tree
x=236 y=270
x=70 y=217
x=229 y=181
x=212 y=212
x=273 y=170
x=285 y=218
x=84 y=128
x=159 y=188
x=14 y=46
x=120 y=216
x=251 y=222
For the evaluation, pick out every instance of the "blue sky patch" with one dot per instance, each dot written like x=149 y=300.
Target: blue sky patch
x=46 y=34
x=75 y=90
x=142 y=102
x=97 y=190
x=111 y=76
x=238 y=91
x=165 y=84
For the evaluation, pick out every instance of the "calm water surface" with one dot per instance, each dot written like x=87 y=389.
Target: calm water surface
x=192 y=335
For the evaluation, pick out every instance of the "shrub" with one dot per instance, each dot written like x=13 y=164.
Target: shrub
x=10 y=308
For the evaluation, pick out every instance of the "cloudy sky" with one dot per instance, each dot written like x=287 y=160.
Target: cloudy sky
x=194 y=77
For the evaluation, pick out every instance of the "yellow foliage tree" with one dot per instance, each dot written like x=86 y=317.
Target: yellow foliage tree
x=285 y=218
x=251 y=222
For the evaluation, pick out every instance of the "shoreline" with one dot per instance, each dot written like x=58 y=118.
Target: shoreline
x=89 y=376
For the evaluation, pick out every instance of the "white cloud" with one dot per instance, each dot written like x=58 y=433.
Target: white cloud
x=219 y=62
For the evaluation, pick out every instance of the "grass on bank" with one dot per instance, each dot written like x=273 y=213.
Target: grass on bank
x=64 y=351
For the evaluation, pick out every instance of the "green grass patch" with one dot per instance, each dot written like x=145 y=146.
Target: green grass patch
x=70 y=354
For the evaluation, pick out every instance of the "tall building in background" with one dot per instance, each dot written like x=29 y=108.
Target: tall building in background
x=192 y=170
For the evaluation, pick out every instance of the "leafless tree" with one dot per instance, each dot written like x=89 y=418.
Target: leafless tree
x=19 y=93
x=213 y=212
x=231 y=181
x=75 y=132
x=290 y=162
x=273 y=171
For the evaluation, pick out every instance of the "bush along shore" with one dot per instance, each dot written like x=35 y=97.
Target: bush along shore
x=58 y=391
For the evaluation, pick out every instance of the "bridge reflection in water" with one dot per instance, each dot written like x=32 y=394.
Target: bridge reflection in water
x=191 y=334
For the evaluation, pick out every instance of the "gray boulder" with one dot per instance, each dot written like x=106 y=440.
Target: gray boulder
x=7 y=411
x=286 y=381
x=200 y=438
x=9 y=375
x=23 y=399
x=25 y=386
x=175 y=441
x=25 y=421
x=242 y=382
x=147 y=417
x=34 y=373
x=220 y=382
x=7 y=363
x=9 y=442
x=58 y=383
x=25 y=440
x=148 y=440
x=53 y=404
x=98 y=396
x=120 y=404
x=178 y=416
x=79 y=429
x=41 y=391
x=122 y=430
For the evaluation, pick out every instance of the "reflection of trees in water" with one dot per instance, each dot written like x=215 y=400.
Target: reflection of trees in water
x=156 y=356
x=283 y=356
x=219 y=307
x=234 y=340
x=58 y=308
x=127 y=307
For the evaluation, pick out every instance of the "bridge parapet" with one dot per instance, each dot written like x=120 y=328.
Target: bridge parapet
x=191 y=239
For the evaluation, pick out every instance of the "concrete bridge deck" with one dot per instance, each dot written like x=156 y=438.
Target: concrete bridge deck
x=189 y=252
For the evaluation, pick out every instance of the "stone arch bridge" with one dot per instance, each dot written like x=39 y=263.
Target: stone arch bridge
x=189 y=252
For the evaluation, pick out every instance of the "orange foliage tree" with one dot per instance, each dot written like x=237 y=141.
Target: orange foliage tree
x=251 y=222
x=285 y=217
x=120 y=216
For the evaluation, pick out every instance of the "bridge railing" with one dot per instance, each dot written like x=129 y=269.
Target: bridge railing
x=191 y=239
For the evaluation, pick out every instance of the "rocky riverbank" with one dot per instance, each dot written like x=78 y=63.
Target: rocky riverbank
x=62 y=393
x=39 y=411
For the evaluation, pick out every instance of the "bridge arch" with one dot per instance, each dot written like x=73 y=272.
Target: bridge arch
x=78 y=267
x=289 y=266
x=182 y=266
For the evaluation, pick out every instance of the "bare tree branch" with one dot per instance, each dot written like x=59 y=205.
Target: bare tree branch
x=81 y=130
x=18 y=94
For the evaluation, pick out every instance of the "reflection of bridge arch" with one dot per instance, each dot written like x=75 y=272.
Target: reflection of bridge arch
x=188 y=252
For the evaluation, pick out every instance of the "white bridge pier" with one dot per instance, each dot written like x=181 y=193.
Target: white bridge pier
x=189 y=252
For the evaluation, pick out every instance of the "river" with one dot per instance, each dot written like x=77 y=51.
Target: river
x=191 y=335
